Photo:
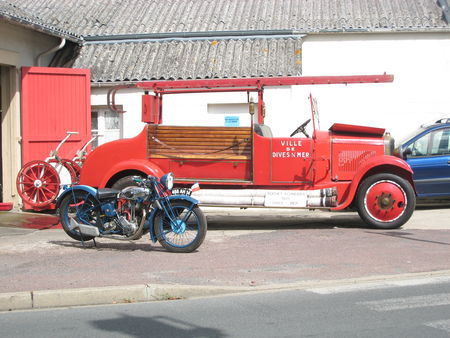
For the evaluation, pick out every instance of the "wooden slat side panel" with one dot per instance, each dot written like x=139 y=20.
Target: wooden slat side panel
x=199 y=142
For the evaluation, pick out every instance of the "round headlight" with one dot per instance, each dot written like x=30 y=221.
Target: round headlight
x=167 y=181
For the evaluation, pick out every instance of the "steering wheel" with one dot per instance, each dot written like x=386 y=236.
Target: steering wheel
x=301 y=129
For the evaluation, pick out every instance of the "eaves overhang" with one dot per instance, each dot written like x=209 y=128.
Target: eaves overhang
x=40 y=27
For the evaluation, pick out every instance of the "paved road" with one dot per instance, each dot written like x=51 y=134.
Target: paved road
x=244 y=249
x=401 y=310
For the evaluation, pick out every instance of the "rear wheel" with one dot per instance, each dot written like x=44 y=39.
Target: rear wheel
x=127 y=181
x=385 y=201
x=185 y=232
x=83 y=208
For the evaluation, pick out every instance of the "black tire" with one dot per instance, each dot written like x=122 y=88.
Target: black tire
x=385 y=201
x=84 y=208
x=127 y=181
x=194 y=233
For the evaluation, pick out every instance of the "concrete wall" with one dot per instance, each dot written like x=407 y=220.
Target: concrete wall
x=420 y=64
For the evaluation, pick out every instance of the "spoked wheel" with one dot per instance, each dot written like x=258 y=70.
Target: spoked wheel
x=83 y=208
x=185 y=231
x=68 y=166
x=385 y=201
x=76 y=168
x=38 y=183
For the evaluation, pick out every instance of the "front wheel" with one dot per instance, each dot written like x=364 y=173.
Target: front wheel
x=184 y=230
x=385 y=201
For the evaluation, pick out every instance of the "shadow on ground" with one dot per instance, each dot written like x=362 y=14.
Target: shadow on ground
x=101 y=245
x=277 y=222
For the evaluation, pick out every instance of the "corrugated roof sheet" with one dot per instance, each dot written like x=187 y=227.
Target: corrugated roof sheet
x=111 y=17
x=192 y=59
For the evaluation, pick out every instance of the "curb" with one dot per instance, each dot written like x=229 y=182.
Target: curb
x=30 y=300
x=107 y=295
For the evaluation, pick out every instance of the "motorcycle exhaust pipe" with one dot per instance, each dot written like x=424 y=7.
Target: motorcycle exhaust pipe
x=88 y=230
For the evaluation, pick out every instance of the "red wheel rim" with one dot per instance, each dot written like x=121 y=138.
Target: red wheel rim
x=76 y=167
x=70 y=166
x=38 y=183
x=385 y=201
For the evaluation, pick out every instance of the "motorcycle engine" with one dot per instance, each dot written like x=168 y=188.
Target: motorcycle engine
x=129 y=228
x=134 y=193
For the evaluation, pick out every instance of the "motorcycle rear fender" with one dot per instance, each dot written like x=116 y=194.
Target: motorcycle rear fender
x=86 y=188
x=152 y=216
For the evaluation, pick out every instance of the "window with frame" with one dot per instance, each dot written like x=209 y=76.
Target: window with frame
x=107 y=124
x=435 y=143
x=440 y=142
x=420 y=146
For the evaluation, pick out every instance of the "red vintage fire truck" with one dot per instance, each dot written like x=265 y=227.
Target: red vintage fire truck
x=346 y=166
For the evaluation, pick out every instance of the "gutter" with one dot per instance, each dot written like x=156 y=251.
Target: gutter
x=216 y=38
x=221 y=35
x=216 y=35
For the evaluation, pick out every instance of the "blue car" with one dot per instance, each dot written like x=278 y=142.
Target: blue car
x=427 y=151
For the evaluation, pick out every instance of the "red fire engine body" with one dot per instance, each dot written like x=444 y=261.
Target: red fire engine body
x=345 y=166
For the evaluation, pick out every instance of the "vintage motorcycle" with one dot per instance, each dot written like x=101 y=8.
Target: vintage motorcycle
x=175 y=221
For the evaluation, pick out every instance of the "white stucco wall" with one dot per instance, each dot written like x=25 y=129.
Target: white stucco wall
x=420 y=64
x=26 y=43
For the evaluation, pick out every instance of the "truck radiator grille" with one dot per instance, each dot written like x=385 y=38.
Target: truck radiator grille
x=350 y=160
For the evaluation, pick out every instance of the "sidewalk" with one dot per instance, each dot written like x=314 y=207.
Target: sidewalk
x=245 y=250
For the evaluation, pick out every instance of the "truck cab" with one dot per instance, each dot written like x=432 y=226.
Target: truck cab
x=345 y=166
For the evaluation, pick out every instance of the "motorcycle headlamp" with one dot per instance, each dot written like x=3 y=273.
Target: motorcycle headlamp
x=167 y=181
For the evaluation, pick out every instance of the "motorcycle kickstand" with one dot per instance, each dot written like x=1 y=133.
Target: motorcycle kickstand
x=82 y=241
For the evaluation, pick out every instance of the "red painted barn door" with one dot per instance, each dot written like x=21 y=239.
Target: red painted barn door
x=54 y=100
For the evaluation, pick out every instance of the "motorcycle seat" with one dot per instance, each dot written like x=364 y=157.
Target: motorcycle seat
x=107 y=193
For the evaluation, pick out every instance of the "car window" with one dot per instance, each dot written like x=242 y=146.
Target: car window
x=420 y=146
x=408 y=137
x=440 y=142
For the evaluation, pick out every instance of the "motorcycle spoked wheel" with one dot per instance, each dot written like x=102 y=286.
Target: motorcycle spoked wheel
x=84 y=208
x=189 y=231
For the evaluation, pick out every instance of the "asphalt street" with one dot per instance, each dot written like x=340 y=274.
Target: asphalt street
x=406 y=309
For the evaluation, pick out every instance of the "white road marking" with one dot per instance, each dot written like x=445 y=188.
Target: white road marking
x=440 y=324
x=393 y=304
x=375 y=285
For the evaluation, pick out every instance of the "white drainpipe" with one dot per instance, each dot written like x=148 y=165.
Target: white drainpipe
x=51 y=50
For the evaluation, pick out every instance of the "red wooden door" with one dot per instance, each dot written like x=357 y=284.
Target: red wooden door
x=54 y=101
